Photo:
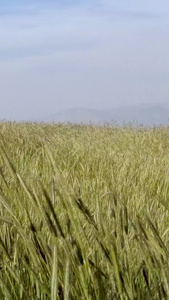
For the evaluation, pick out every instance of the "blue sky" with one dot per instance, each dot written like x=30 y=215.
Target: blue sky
x=98 y=54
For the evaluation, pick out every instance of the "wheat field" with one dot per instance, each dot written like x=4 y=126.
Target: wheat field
x=84 y=212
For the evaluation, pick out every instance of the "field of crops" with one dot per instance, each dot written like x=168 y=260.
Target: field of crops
x=84 y=212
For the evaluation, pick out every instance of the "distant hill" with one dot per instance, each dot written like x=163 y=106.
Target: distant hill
x=148 y=115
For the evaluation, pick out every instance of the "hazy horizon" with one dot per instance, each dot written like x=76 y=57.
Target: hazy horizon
x=56 y=55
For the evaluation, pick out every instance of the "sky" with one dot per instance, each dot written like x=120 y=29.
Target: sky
x=59 y=54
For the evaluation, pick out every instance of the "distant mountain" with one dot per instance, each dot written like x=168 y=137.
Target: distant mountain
x=148 y=115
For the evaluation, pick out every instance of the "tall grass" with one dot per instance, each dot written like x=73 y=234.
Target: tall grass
x=84 y=212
